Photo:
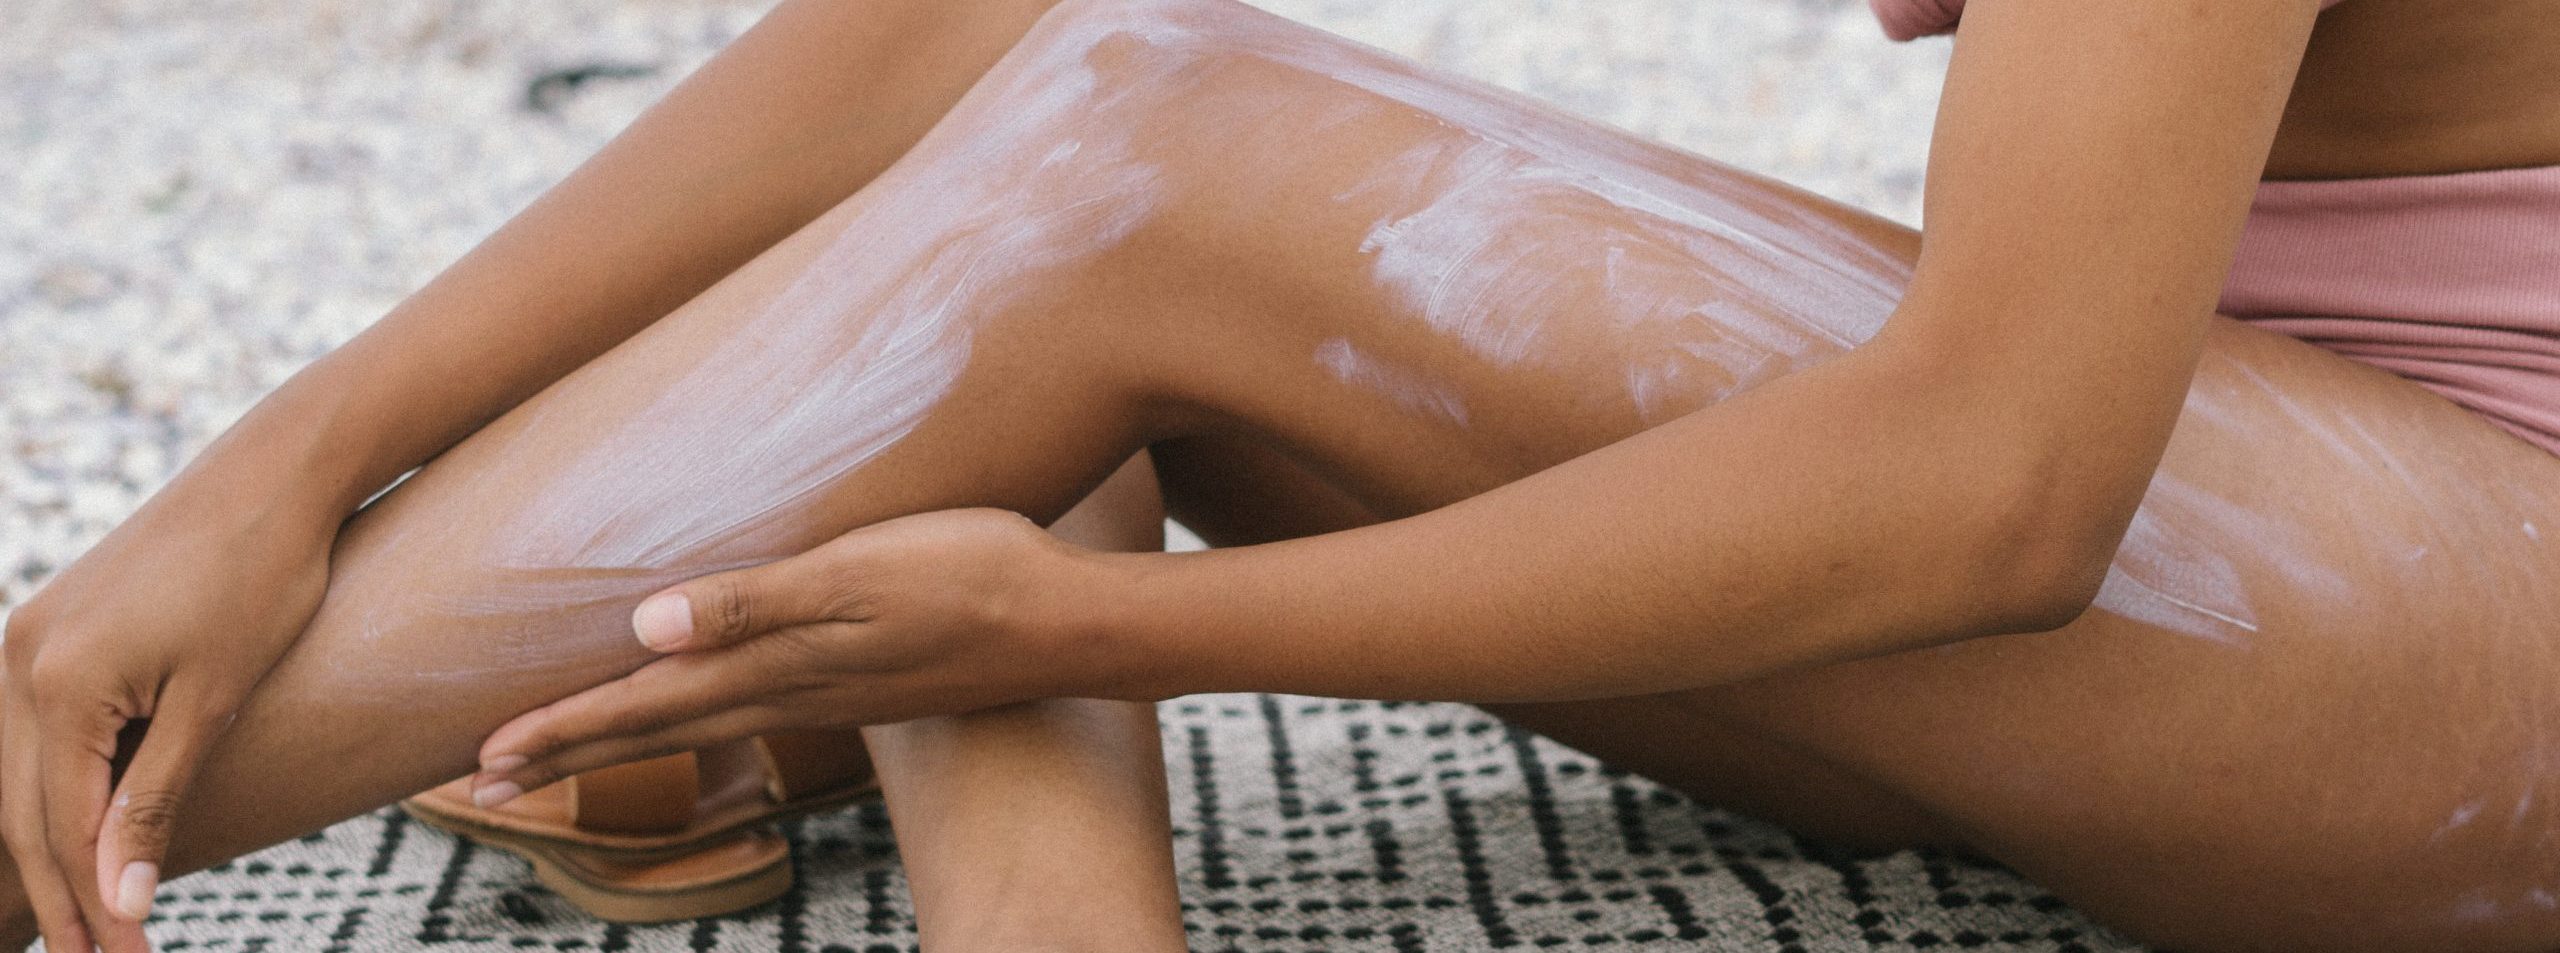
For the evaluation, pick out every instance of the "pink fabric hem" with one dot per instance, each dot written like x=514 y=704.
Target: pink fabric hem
x=2452 y=281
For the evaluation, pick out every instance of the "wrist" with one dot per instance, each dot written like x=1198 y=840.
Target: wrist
x=236 y=517
x=1096 y=627
x=257 y=497
x=295 y=459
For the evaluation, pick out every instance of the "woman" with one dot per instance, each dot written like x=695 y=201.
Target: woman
x=1883 y=538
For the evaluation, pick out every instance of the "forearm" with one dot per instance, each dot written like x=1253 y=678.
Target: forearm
x=790 y=119
x=1857 y=508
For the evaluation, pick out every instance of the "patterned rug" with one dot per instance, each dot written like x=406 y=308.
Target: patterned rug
x=205 y=194
x=1300 y=824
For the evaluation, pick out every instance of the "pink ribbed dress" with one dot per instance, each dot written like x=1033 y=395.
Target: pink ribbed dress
x=2451 y=281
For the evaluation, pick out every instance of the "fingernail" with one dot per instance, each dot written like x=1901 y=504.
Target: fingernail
x=490 y=796
x=133 y=890
x=502 y=764
x=663 y=621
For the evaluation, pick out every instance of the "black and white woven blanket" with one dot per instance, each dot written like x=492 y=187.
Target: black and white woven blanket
x=1301 y=825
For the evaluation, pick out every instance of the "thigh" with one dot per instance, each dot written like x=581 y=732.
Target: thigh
x=2312 y=707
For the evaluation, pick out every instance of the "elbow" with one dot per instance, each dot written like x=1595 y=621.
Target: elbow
x=2048 y=593
x=2021 y=506
x=2040 y=565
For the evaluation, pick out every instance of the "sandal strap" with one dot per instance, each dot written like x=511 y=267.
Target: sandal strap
x=812 y=762
x=655 y=796
x=659 y=795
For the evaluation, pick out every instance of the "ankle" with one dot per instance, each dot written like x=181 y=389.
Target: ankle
x=1053 y=938
x=1005 y=915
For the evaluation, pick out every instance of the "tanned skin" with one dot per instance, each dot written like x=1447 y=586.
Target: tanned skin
x=1851 y=598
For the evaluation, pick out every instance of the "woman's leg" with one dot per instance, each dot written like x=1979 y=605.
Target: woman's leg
x=1186 y=220
x=1042 y=825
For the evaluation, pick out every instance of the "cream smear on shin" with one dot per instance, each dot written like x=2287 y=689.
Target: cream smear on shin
x=727 y=456
x=554 y=622
x=859 y=349
x=789 y=406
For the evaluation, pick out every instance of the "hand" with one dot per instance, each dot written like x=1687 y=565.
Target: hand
x=160 y=631
x=934 y=614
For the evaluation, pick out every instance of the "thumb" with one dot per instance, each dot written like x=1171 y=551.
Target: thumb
x=730 y=607
x=142 y=815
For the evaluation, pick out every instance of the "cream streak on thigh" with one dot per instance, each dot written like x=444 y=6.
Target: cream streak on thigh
x=1406 y=387
x=1522 y=222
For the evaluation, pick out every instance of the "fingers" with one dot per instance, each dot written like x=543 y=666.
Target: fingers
x=730 y=607
x=665 y=702
x=143 y=814
x=74 y=749
x=713 y=729
x=22 y=810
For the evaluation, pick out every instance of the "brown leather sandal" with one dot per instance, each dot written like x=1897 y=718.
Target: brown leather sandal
x=647 y=842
